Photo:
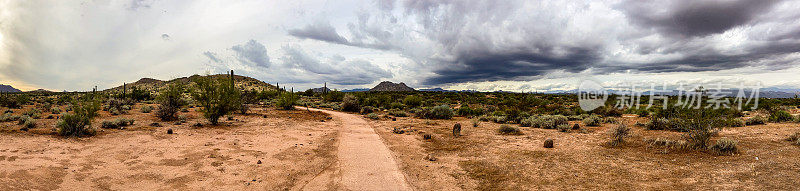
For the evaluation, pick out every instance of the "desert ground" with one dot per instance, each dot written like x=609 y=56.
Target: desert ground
x=301 y=149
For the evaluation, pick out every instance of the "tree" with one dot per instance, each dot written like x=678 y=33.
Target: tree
x=170 y=102
x=218 y=97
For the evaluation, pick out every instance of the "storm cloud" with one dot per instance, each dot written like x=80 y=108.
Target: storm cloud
x=476 y=40
x=252 y=53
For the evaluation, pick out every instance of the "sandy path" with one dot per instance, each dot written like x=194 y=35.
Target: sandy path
x=365 y=163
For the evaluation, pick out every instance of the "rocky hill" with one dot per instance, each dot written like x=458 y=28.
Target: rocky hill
x=8 y=88
x=391 y=87
x=243 y=82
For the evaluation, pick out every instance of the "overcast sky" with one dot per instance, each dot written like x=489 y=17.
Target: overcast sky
x=454 y=44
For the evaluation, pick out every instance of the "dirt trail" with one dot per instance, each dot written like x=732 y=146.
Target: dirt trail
x=364 y=160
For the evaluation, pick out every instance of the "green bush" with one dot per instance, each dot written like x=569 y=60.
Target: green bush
x=592 y=121
x=564 y=127
x=373 y=116
x=170 y=102
x=350 y=103
x=780 y=116
x=218 y=97
x=438 y=112
x=699 y=132
x=412 y=101
x=287 y=101
x=397 y=113
x=34 y=113
x=547 y=121
x=757 y=120
x=146 y=109
x=79 y=122
x=118 y=123
x=6 y=117
x=509 y=130
x=725 y=146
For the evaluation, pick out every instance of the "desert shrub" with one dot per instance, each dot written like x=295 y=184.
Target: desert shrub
x=218 y=97
x=412 y=101
x=756 y=120
x=563 y=127
x=396 y=105
x=508 y=130
x=498 y=119
x=465 y=111
x=118 y=123
x=79 y=122
x=373 y=116
x=397 y=113
x=350 y=103
x=484 y=118
x=780 y=116
x=34 y=113
x=55 y=110
x=618 y=134
x=114 y=111
x=6 y=117
x=699 y=132
x=475 y=122
x=527 y=122
x=547 y=121
x=438 y=112
x=146 y=109
x=368 y=109
x=29 y=123
x=286 y=101
x=725 y=146
x=736 y=122
x=592 y=121
x=662 y=142
x=578 y=117
x=170 y=102
x=674 y=124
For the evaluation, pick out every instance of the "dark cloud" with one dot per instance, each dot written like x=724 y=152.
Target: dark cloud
x=512 y=66
x=212 y=56
x=335 y=69
x=319 y=31
x=140 y=4
x=694 y=18
x=252 y=53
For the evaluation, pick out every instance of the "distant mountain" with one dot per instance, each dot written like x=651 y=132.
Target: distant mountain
x=8 y=88
x=444 y=90
x=356 y=90
x=41 y=91
x=387 y=86
x=151 y=84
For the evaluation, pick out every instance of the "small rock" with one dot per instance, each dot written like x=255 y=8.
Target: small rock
x=322 y=120
x=155 y=124
x=169 y=131
x=398 y=131
x=427 y=136
x=329 y=118
x=259 y=162
x=197 y=125
x=548 y=143
x=576 y=127
x=430 y=157
x=394 y=118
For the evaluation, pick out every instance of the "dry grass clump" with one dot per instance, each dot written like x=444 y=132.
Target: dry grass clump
x=667 y=143
x=509 y=130
x=618 y=134
x=725 y=146
x=794 y=138
x=119 y=123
